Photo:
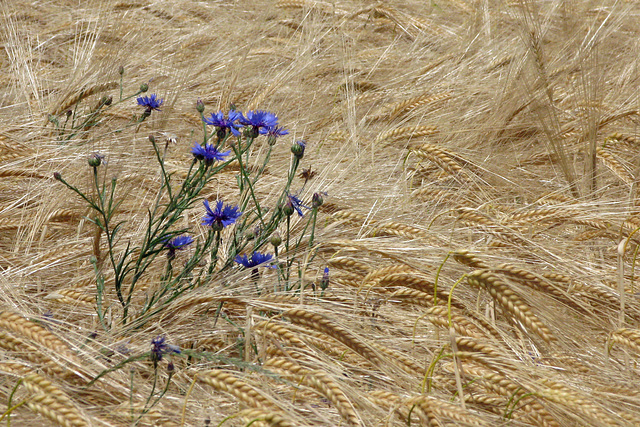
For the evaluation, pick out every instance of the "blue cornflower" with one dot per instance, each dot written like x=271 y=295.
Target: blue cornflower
x=324 y=283
x=151 y=102
x=221 y=217
x=273 y=133
x=218 y=120
x=259 y=119
x=177 y=244
x=294 y=203
x=159 y=348
x=254 y=260
x=209 y=153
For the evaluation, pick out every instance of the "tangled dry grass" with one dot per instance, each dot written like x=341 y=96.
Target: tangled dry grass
x=481 y=165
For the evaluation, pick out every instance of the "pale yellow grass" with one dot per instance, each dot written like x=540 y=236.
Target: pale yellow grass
x=450 y=136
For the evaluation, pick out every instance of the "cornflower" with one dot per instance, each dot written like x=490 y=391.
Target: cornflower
x=258 y=120
x=223 y=125
x=159 y=348
x=294 y=203
x=254 y=260
x=209 y=153
x=273 y=133
x=177 y=244
x=150 y=102
x=221 y=217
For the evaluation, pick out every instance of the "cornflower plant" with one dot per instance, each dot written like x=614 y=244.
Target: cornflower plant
x=131 y=261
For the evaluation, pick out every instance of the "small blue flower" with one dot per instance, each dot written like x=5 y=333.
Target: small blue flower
x=274 y=131
x=151 y=102
x=254 y=260
x=179 y=242
x=209 y=153
x=324 y=283
x=218 y=120
x=295 y=203
x=259 y=119
x=221 y=217
x=159 y=348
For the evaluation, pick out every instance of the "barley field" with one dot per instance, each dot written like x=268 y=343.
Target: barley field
x=472 y=261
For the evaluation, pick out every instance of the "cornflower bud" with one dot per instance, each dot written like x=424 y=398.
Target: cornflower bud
x=200 y=106
x=57 y=176
x=95 y=160
x=144 y=87
x=121 y=70
x=288 y=208
x=298 y=149
x=276 y=239
x=316 y=200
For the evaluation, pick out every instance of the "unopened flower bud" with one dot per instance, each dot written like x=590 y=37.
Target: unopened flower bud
x=107 y=100
x=144 y=87
x=170 y=368
x=121 y=70
x=152 y=138
x=57 y=176
x=288 y=208
x=200 y=106
x=276 y=239
x=95 y=160
x=316 y=200
x=298 y=149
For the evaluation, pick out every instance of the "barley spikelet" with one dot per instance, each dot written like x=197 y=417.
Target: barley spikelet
x=412 y=296
x=225 y=382
x=23 y=173
x=349 y=264
x=304 y=4
x=73 y=296
x=275 y=329
x=60 y=403
x=502 y=385
x=402 y=230
x=16 y=323
x=272 y=418
x=406 y=133
x=84 y=93
x=320 y=323
x=26 y=351
x=57 y=412
x=374 y=276
x=629 y=338
x=614 y=165
x=465 y=257
x=320 y=381
x=439 y=316
x=405 y=363
x=437 y=409
x=416 y=282
x=510 y=301
x=440 y=157
x=536 y=282
x=399 y=108
x=349 y=216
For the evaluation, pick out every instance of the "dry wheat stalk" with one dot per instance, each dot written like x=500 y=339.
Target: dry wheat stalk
x=84 y=93
x=510 y=301
x=630 y=338
x=320 y=381
x=614 y=165
x=273 y=419
x=225 y=382
x=320 y=323
x=406 y=133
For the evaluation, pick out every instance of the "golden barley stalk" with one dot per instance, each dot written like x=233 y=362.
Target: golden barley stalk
x=274 y=419
x=320 y=323
x=439 y=316
x=614 y=165
x=628 y=337
x=84 y=93
x=16 y=323
x=510 y=301
x=225 y=382
x=437 y=409
x=406 y=132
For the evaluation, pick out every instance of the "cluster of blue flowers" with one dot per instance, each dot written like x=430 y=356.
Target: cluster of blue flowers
x=258 y=122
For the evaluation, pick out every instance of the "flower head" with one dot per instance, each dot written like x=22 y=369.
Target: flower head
x=298 y=149
x=324 y=283
x=151 y=102
x=177 y=244
x=209 y=153
x=294 y=203
x=273 y=133
x=259 y=120
x=159 y=348
x=218 y=120
x=254 y=260
x=221 y=216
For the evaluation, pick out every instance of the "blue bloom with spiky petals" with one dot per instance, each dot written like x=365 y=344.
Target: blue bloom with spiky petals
x=295 y=203
x=259 y=119
x=159 y=348
x=209 y=153
x=254 y=260
x=274 y=131
x=177 y=244
x=218 y=120
x=221 y=216
x=151 y=102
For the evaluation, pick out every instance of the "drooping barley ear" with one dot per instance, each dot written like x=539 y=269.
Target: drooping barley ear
x=26 y=351
x=629 y=338
x=349 y=264
x=273 y=419
x=16 y=323
x=439 y=316
x=406 y=132
x=269 y=327
x=441 y=158
x=437 y=409
x=510 y=301
x=410 y=25
x=502 y=385
x=24 y=173
x=465 y=257
x=304 y=4
x=417 y=282
x=536 y=282
x=614 y=165
x=320 y=323
x=225 y=382
x=374 y=276
x=349 y=216
x=320 y=381
x=397 y=109
x=403 y=362
x=84 y=93
x=402 y=230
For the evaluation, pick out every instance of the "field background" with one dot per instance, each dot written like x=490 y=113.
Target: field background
x=484 y=145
